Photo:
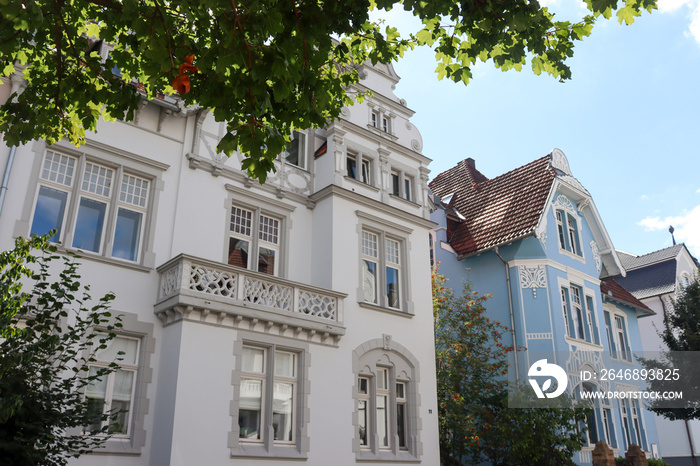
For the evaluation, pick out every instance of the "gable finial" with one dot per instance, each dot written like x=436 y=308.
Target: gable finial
x=559 y=161
x=671 y=230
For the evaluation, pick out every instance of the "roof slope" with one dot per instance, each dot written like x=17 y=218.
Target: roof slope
x=630 y=261
x=652 y=280
x=498 y=210
x=612 y=288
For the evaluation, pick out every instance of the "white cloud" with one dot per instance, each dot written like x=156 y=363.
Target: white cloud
x=644 y=197
x=671 y=6
x=687 y=227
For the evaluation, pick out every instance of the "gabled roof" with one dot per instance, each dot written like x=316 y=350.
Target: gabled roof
x=631 y=262
x=611 y=289
x=652 y=280
x=498 y=210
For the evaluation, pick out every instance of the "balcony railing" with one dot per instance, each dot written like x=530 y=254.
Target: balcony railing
x=198 y=287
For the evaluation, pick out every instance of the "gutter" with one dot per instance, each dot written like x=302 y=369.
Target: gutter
x=512 y=318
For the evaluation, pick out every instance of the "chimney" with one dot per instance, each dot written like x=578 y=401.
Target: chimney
x=470 y=161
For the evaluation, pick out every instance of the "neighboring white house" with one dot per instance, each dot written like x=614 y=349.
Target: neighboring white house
x=276 y=324
x=656 y=279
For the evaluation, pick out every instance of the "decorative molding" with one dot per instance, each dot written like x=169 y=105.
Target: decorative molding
x=387 y=341
x=533 y=277
x=539 y=336
x=596 y=255
x=559 y=161
x=576 y=362
x=562 y=202
x=541 y=232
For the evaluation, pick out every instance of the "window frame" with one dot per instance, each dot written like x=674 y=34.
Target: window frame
x=255 y=239
x=372 y=358
x=123 y=165
x=364 y=174
x=382 y=264
x=267 y=446
x=302 y=148
x=578 y=317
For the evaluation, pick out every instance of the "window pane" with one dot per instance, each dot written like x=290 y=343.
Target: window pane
x=365 y=171
x=266 y=261
x=382 y=379
x=369 y=281
x=395 y=184
x=97 y=179
x=127 y=346
x=284 y=364
x=392 y=287
x=382 y=421
x=351 y=166
x=127 y=234
x=88 y=227
x=48 y=215
x=58 y=168
x=238 y=252
x=241 y=221
x=401 y=424
x=250 y=410
x=253 y=360
x=295 y=149
x=134 y=190
x=282 y=411
x=392 y=251
x=407 y=188
x=369 y=244
x=362 y=386
x=362 y=421
x=269 y=229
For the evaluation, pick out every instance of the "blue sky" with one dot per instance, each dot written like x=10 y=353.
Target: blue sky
x=628 y=120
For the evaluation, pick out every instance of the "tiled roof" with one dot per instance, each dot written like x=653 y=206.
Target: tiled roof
x=652 y=280
x=498 y=210
x=611 y=287
x=630 y=261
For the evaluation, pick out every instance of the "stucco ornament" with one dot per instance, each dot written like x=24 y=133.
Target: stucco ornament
x=559 y=161
x=532 y=277
x=596 y=255
x=563 y=203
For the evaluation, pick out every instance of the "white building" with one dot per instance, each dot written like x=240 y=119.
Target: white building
x=289 y=322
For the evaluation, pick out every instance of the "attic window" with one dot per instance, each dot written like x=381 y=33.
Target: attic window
x=447 y=199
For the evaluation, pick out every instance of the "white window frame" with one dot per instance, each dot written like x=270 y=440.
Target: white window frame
x=109 y=384
x=401 y=184
x=301 y=137
x=569 y=228
x=363 y=167
x=75 y=192
x=384 y=257
x=255 y=238
x=619 y=323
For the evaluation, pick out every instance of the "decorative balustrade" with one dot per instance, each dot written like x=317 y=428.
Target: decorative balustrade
x=189 y=282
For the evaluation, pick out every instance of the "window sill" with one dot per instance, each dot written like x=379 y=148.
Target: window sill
x=382 y=133
x=105 y=260
x=117 y=446
x=361 y=183
x=257 y=450
x=387 y=457
x=583 y=344
x=572 y=255
x=388 y=310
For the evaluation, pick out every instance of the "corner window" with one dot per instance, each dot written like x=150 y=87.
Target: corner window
x=567 y=229
x=358 y=168
x=381 y=269
x=114 y=393
x=295 y=154
x=254 y=241
x=106 y=221
x=268 y=394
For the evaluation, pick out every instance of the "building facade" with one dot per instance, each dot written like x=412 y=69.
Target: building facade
x=282 y=323
x=656 y=279
x=533 y=239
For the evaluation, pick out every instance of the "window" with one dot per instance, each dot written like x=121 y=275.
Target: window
x=590 y=317
x=567 y=229
x=407 y=188
x=626 y=421
x=640 y=438
x=268 y=395
x=107 y=221
x=579 y=324
x=380 y=253
x=395 y=184
x=351 y=164
x=254 y=245
x=608 y=428
x=386 y=426
x=621 y=338
x=114 y=393
x=373 y=119
x=401 y=185
x=295 y=154
x=385 y=125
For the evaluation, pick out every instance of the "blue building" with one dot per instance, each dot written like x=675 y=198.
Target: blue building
x=533 y=238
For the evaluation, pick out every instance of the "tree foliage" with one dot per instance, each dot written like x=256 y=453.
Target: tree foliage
x=681 y=334
x=476 y=424
x=48 y=340
x=263 y=66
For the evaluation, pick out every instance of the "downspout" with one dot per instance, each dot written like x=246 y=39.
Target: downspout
x=512 y=318
x=6 y=176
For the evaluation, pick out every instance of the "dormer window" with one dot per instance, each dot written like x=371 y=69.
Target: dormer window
x=567 y=229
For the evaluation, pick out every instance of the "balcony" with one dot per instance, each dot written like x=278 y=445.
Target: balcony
x=199 y=290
